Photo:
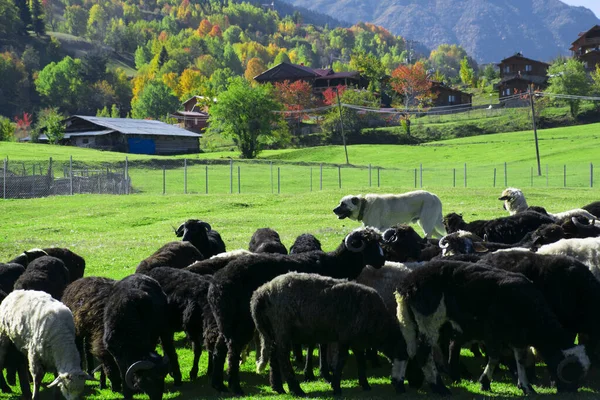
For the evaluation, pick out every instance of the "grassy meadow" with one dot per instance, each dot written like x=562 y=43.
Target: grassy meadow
x=113 y=233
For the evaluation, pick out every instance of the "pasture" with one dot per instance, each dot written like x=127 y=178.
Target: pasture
x=113 y=233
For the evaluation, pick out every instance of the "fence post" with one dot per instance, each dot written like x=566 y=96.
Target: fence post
x=311 y=179
x=591 y=175
x=421 y=175
x=369 y=175
x=126 y=175
x=271 y=177
x=230 y=176
x=239 y=181
x=546 y=175
x=340 y=176
x=71 y=175
x=164 y=179
x=465 y=174
x=494 y=177
x=185 y=175
x=206 y=178
x=415 y=178
x=505 y=175
x=378 y=170
x=321 y=179
x=278 y=180
x=531 y=176
x=453 y=177
x=565 y=175
x=33 y=181
x=4 y=178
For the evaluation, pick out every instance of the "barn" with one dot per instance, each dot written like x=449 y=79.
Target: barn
x=137 y=136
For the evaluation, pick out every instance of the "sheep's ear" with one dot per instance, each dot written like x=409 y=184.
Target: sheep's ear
x=355 y=200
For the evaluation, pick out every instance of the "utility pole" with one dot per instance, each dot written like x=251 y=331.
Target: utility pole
x=537 y=149
x=337 y=94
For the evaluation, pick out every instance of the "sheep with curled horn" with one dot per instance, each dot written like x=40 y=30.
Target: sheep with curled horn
x=402 y=244
x=229 y=294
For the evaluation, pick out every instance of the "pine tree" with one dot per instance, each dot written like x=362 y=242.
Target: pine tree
x=163 y=57
x=37 y=17
x=24 y=13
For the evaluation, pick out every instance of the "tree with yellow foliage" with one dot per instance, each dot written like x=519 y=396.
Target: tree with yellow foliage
x=255 y=67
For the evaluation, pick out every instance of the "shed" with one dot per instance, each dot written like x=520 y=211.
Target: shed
x=137 y=136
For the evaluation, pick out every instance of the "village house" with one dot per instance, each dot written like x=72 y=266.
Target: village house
x=194 y=116
x=319 y=78
x=138 y=136
x=517 y=73
x=587 y=48
x=446 y=96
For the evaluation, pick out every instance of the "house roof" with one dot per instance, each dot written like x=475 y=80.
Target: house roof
x=285 y=70
x=582 y=36
x=128 y=126
x=340 y=75
x=441 y=85
x=520 y=57
x=194 y=114
x=527 y=78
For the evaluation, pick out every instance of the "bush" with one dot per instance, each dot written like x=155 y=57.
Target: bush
x=7 y=130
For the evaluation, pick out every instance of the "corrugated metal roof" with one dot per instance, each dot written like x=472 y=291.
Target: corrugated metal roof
x=69 y=135
x=128 y=126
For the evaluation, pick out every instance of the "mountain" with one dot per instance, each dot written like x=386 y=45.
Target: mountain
x=489 y=30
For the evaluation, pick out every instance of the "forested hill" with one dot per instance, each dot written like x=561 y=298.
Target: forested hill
x=489 y=30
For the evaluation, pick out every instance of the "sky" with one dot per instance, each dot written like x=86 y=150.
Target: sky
x=593 y=5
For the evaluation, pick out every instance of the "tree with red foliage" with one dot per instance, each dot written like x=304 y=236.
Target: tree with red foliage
x=23 y=127
x=414 y=87
x=330 y=95
x=295 y=96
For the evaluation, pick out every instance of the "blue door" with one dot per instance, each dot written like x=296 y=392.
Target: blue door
x=141 y=146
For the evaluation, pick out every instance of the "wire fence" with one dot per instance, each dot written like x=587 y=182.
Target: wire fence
x=21 y=179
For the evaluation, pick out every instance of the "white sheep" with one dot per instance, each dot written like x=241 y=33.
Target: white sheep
x=42 y=328
x=585 y=250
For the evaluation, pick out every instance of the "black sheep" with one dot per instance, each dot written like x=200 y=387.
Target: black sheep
x=186 y=294
x=135 y=318
x=507 y=230
x=201 y=235
x=48 y=274
x=266 y=240
x=173 y=254
x=75 y=263
x=87 y=298
x=593 y=208
x=9 y=273
x=304 y=243
x=497 y=307
x=402 y=244
x=229 y=294
x=215 y=263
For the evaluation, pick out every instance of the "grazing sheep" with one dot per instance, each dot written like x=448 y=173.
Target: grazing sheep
x=9 y=273
x=201 y=235
x=298 y=307
x=173 y=254
x=508 y=230
x=215 y=263
x=304 y=243
x=514 y=202
x=87 y=298
x=498 y=307
x=42 y=328
x=266 y=240
x=186 y=295
x=47 y=274
x=586 y=250
x=135 y=318
x=74 y=263
x=229 y=295
x=402 y=244
x=593 y=208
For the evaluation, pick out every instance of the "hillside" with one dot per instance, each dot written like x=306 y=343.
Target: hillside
x=489 y=30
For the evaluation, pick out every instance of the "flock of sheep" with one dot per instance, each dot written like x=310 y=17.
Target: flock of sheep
x=505 y=286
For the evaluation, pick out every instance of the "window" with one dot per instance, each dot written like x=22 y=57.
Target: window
x=85 y=141
x=451 y=99
x=528 y=68
x=507 y=69
x=506 y=92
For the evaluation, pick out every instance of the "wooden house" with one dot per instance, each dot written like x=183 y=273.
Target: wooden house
x=319 y=78
x=138 y=136
x=587 y=48
x=194 y=116
x=517 y=73
x=446 y=96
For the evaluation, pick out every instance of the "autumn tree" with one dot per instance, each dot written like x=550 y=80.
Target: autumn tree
x=245 y=114
x=23 y=126
x=414 y=88
x=254 y=68
x=294 y=96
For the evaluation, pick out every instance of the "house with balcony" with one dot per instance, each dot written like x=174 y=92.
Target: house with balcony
x=446 y=96
x=518 y=73
x=194 y=116
x=587 y=48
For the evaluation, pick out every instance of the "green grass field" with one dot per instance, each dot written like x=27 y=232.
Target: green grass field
x=113 y=233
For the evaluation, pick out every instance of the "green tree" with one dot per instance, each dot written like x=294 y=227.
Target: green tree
x=37 y=17
x=232 y=61
x=7 y=130
x=24 y=14
x=370 y=66
x=232 y=34
x=76 y=18
x=97 y=23
x=467 y=75
x=219 y=80
x=14 y=85
x=568 y=76
x=50 y=123
x=31 y=59
x=353 y=121
x=596 y=80
x=103 y=113
x=156 y=101
x=60 y=84
x=281 y=57
x=9 y=18
x=490 y=73
x=245 y=114
x=163 y=57
x=142 y=56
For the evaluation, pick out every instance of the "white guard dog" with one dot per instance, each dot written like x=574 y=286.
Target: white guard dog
x=383 y=211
